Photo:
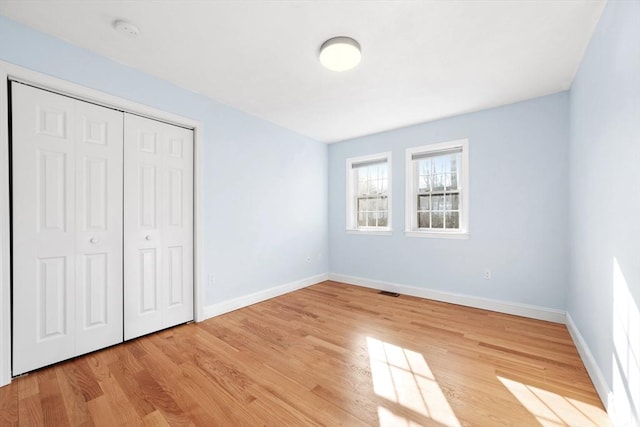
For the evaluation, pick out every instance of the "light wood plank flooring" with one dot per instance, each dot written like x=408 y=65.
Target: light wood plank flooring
x=331 y=354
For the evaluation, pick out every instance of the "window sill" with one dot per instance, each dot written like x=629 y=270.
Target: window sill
x=385 y=232
x=437 y=235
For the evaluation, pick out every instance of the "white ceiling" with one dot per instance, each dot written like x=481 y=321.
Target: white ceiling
x=421 y=60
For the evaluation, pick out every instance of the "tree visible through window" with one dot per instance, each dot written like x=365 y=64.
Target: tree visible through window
x=437 y=190
x=369 y=193
x=438 y=198
x=372 y=205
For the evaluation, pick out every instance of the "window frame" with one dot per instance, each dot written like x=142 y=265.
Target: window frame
x=411 y=188
x=351 y=209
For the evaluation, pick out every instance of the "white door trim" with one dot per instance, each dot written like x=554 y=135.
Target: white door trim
x=14 y=72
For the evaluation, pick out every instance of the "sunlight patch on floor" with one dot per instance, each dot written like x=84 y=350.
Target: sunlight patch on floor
x=389 y=419
x=403 y=376
x=552 y=409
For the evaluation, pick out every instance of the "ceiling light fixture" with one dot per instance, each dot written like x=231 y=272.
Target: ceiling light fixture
x=126 y=28
x=340 y=54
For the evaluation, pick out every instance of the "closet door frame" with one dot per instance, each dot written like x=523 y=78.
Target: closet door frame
x=10 y=72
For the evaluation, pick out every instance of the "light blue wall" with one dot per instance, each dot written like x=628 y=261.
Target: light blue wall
x=518 y=205
x=265 y=187
x=554 y=182
x=605 y=203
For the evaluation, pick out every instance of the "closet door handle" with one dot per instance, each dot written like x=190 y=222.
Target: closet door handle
x=147 y=237
x=93 y=240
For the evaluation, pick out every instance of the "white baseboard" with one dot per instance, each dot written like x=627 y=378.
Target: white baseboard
x=256 y=297
x=592 y=367
x=518 y=309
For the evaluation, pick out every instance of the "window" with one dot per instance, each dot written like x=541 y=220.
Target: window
x=437 y=203
x=369 y=194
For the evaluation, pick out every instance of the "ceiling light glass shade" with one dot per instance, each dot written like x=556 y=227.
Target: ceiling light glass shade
x=340 y=54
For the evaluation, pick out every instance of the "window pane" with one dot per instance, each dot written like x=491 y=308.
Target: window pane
x=424 y=183
x=371 y=179
x=371 y=186
x=447 y=180
x=382 y=204
x=438 y=163
x=381 y=186
x=424 y=170
x=437 y=220
x=424 y=166
x=437 y=203
x=371 y=204
x=451 y=202
x=368 y=171
x=361 y=220
x=456 y=160
x=437 y=196
x=423 y=220
x=423 y=203
x=382 y=221
x=453 y=181
x=362 y=183
x=453 y=220
x=367 y=186
x=371 y=219
x=437 y=183
x=361 y=204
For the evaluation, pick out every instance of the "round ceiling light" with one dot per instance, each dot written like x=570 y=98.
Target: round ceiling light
x=126 y=28
x=340 y=54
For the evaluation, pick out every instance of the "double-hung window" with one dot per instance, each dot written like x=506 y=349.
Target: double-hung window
x=369 y=194
x=437 y=190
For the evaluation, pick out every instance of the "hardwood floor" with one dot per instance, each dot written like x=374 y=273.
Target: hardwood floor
x=330 y=354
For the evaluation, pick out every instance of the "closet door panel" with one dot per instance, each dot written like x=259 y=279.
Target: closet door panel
x=67 y=227
x=158 y=225
x=99 y=145
x=43 y=217
x=143 y=297
x=178 y=225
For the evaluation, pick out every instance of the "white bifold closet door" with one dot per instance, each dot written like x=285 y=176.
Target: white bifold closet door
x=158 y=225
x=67 y=227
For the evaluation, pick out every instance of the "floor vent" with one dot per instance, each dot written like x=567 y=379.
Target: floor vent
x=389 y=294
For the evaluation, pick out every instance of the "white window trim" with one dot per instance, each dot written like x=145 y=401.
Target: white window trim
x=411 y=229
x=351 y=224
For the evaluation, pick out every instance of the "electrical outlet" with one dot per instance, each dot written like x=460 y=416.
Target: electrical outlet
x=487 y=274
x=212 y=280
